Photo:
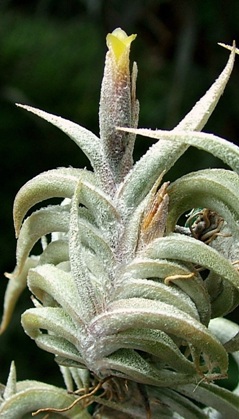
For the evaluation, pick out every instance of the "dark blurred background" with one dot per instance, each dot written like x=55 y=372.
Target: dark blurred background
x=52 y=57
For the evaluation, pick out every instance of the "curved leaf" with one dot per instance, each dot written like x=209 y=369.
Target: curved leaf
x=52 y=319
x=56 y=183
x=184 y=248
x=15 y=287
x=227 y=332
x=162 y=155
x=128 y=364
x=217 y=146
x=34 y=395
x=224 y=301
x=100 y=206
x=154 y=342
x=140 y=313
x=224 y=401
x=38 y=224
x=101 y=273
x=94 y=240
x=89 y=143
x=216 y=189
x=55 y=252
x=152 y=290
x=60 y=347
x=167 y=269
x=48 y=279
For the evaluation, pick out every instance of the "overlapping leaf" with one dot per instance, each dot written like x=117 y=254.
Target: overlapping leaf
x=122 y=307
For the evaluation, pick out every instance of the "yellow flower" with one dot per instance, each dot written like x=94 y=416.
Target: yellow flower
x=119 y=43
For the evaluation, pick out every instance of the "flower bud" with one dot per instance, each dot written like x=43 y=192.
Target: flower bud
x=118 y=44
x=117 y=103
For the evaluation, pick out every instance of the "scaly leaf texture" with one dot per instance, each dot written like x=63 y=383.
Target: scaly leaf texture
x=85 y=139
x=119 y=288
x=162 y=155
x=31 y=396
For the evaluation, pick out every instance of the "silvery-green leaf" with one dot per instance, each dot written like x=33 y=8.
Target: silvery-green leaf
x=162 y=155
x=69 y=363
x=152 y=290
x=141 y=313
x=217 y=146
x=225 y=301
x=93 y=239
x=130 y=237
x=175 y=246
x=84 y=138
x=11 y=386
x=196 y=119
x=91 y=302
x=221 y=399
x=155 y=268
x=59 y=346
x=99 y=204
x=89 y=143
x=56 y=251
x=216 y=189
x=81 y=377
x=227 y=332
x=15 y=287
x=93 y=261
x=52 y=319
x=53 y=183
x=229 y=47
x=154 y=342
x=34 y=395
x=38 y=224
x=48 y=279
x=128 y=364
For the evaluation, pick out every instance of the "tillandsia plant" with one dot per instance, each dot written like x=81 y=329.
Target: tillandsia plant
x=130 y=302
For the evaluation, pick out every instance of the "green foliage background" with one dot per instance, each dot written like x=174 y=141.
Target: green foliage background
x=52 y=57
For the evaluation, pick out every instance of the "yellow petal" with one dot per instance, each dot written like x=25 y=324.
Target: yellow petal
x=119 y=42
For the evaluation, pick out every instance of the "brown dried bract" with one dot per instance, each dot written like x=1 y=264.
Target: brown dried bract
x=155 y=215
